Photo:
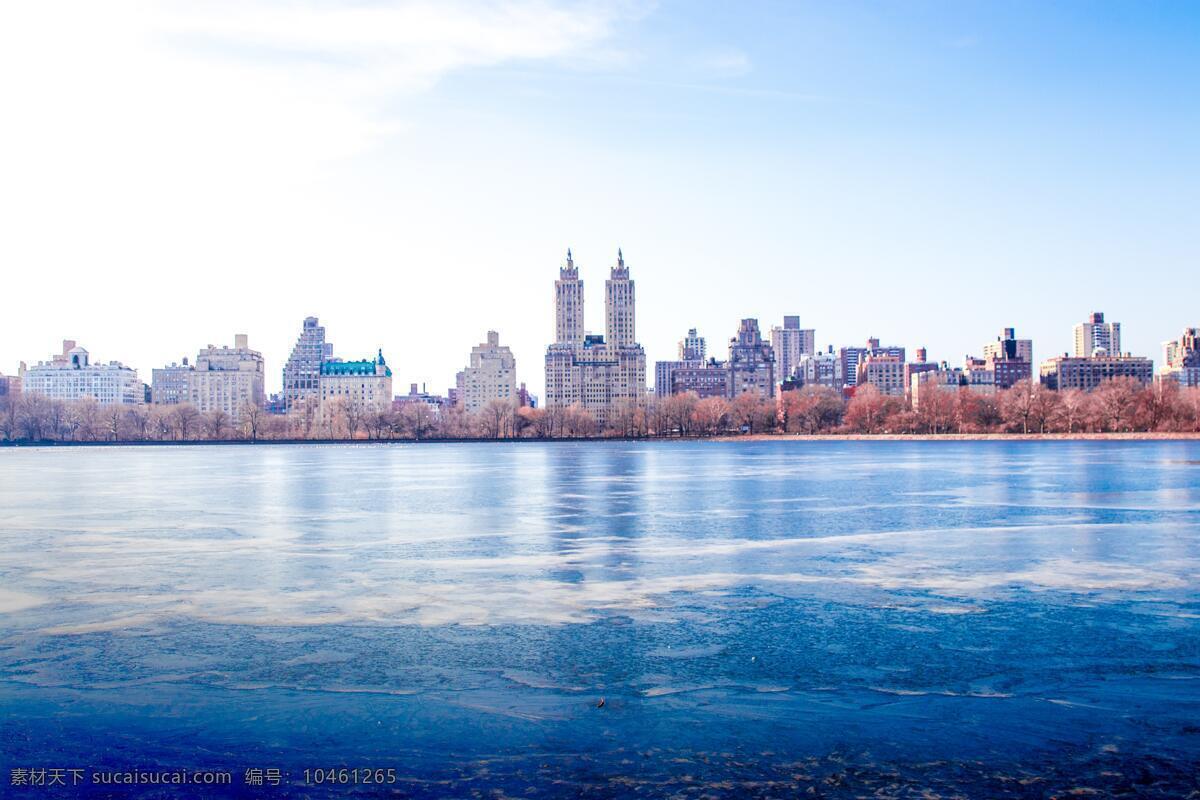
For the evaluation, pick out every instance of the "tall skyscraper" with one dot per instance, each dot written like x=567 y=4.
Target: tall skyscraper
x=585 y=369
x=302 y=372
x=568 y=304
x=1097 y=337
x=619 y=328
x=490 y=375
x=791 y=343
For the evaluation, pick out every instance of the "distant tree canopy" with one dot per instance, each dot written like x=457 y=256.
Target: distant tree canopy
x=1119 y=405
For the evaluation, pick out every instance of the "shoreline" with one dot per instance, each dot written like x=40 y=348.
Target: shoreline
x=753 y=437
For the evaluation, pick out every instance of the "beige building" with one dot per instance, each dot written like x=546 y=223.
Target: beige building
x=884 y=372
x=1181 y=359
x=491 y=375
x=366 y=385
x=791 y=343
x=227 y=379
x=586 y=369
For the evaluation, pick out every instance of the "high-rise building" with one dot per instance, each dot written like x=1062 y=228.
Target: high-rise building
x=692 y=355
x=1181 y=359
x=1008 y=347
x=169 y=384
x=227 y=379
x=751 y=362
x=853 y=356
x=365 y=385
x=619 y=323
x=921 y=365
x=302 y=372
x=693 y=347
x=71 y=375
x=821 y=369
x=1010 y=358
x=568 y=304
x=491 y=375
x=703 y=378
x=584 y=369
x=1095 y=336
x=1087 y=373
x=884 y=372
x=791 y=343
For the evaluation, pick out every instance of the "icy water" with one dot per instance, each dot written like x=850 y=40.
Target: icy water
x=980 y=619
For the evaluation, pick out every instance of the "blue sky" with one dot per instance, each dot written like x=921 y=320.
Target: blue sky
x=413 y=173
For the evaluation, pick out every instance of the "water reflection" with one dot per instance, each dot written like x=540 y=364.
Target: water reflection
x=955 y=601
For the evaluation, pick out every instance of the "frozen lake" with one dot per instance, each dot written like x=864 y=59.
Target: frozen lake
x=988 y=618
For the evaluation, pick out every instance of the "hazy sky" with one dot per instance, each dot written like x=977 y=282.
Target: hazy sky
x=174 y=173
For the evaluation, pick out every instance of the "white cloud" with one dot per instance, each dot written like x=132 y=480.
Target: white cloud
x=154 y=150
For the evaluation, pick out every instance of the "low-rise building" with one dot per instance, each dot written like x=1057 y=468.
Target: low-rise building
x=435 y=402
x=71 y=375
x=981 y=382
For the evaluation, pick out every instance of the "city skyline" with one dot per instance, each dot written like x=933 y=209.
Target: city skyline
x=602 y=371
x=922 y=177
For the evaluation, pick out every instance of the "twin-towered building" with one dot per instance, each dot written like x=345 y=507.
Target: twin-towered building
x=597 y=373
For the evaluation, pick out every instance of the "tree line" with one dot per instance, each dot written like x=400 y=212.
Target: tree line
x=1118 y=405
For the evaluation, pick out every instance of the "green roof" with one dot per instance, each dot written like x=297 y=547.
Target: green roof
x=365 y=367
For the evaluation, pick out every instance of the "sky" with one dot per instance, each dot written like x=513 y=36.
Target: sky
x=173 y=173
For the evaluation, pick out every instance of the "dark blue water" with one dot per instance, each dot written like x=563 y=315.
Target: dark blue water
x=980 y=619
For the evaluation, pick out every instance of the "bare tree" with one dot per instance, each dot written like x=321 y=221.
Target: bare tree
x=417 y=419
x=678 y=409
x=215 y=424
x=185 y=419
x=252 y=417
